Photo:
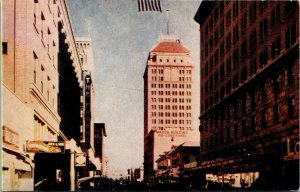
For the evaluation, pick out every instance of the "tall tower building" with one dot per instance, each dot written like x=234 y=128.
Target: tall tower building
x=168 y=100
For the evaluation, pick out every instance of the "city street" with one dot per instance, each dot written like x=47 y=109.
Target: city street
x=149 y=95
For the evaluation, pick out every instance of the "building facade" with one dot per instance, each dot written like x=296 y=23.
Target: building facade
x=172 y=164
x=87 y=136
x=41 y=96
x=250 y=90
x=168 y=100
x=100 y=133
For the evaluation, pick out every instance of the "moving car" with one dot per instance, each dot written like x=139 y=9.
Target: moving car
x=94 y=183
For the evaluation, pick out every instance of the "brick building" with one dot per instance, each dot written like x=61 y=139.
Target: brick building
x=41 y=95
x=168 y=98
x=250 y=90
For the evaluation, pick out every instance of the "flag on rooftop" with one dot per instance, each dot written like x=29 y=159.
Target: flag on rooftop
x=149 y=5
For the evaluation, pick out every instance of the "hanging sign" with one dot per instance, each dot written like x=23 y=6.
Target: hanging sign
x=45 y=146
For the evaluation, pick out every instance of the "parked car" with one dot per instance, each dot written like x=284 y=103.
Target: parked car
x=97 y=183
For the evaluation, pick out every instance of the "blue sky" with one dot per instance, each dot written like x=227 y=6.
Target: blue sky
x=122 y=38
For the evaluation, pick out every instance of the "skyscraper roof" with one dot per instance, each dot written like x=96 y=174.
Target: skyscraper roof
x=170 y=47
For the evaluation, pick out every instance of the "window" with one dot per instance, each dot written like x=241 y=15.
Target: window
x=243 y=24
x=228 y=42
x=222 y=28
x=222 y=72
x=289 y=6
x=216 y=36
x=290 y=36
x=263 y=58
x=236 y=57
x=228 y=134
x=263 y=29
x=235 y=111
x=263 y=119
x=43 y=18
x=236 y=33
x=253 y=41
x=228 y=18
x=253 y=67
x=235 y=130
x=228 y=87
x=253 y=123
x=42 y=80
x=216 y=14
x=216 y=57
x=221 y=8
x=228 y=65
x=252 y=13
x=4 y=48
x=275 y=113
x=235 y=8
x=222 y=92
x=244 y=74
x=253 y=102
x=263 y=92
x=276 y=47
x=262 y=6
x=291 y=107
x=35 y=67
x=290 y=74
x=244 y=49
x=244 y=128
x=216 y=77
x=275 y=16
x=222 y=50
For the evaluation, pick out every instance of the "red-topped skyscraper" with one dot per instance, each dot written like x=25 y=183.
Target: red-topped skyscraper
x=168 y=100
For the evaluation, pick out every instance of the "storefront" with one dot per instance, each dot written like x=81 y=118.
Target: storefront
x=17 y=168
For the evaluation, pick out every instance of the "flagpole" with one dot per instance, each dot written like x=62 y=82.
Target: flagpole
x=167 y=21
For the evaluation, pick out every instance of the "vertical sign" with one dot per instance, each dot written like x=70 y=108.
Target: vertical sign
x=87 y=113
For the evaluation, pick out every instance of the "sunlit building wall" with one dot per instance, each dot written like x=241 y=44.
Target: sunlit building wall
x=169 y=100
x=30 y=53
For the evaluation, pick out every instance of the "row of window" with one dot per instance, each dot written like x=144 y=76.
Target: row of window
x=234 y=35
x=169 y=121
x=240 y=109
x=174 y=100
x=169 y=114
x=231 y=15
x=246 y=128
x=281 y=80
x=44 y=31
x=168 y=86
x=165 y=128
x=181 y=71
x=42 y=131
x=290 y=39
x=168 y=60
x=43 y=82
x=211 y=83
x=174 y=93
x=169 y=107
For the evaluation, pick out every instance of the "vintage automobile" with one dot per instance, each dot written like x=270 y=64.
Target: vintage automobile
x=97 y=183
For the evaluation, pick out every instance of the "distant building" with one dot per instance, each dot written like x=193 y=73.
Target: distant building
x=250 y=90
x=85 y=52
x=100 y=133
x=172 y=164
x=168 y=100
